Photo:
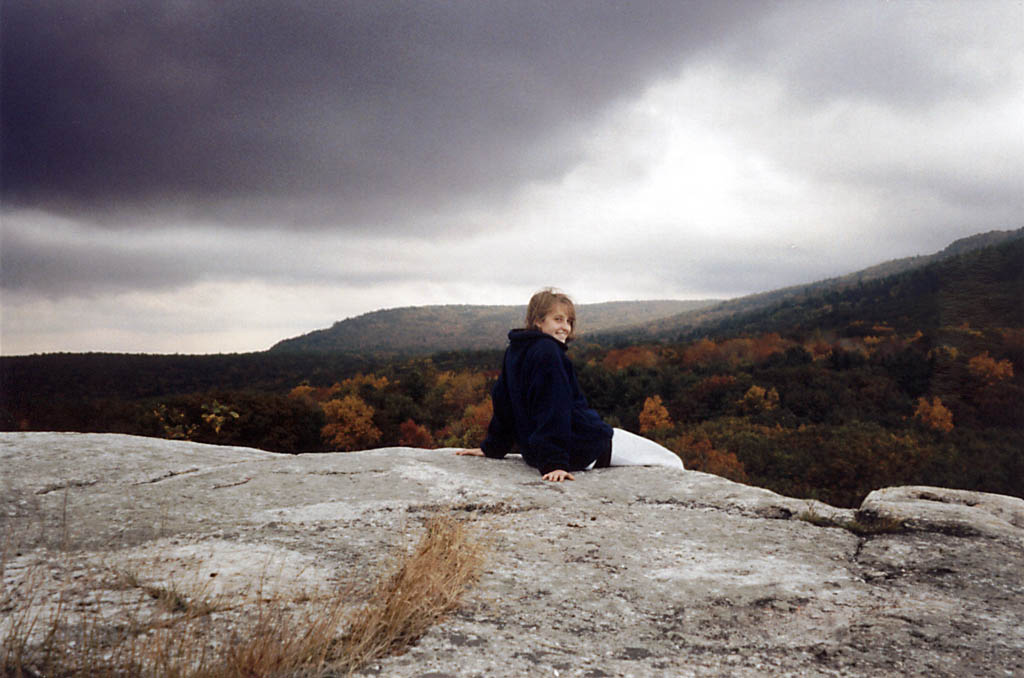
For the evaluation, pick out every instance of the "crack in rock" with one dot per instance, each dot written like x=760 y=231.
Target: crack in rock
x=235 y=484
x=65 y=486
x=168 y=475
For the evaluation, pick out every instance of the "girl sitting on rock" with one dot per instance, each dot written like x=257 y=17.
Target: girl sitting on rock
x=538 y=404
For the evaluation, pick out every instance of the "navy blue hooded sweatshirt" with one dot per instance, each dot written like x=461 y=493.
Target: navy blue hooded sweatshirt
x=538 y=405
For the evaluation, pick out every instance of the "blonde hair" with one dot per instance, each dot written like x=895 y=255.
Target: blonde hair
x=541 y=304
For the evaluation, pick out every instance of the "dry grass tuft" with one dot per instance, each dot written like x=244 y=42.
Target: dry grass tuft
x=284 y=643
x=280 y=637
x=425 y=587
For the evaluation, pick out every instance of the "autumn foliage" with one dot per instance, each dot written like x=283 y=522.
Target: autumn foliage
x=758 y=399
x=698 y=454
x=470 y=429
x=621 y=358
x=934 y=414
x=654 y=416
x=349 y=424
x=412 y=434
x=824 y=414
x=990 y=370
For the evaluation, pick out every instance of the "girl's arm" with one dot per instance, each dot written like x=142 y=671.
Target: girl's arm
x=556 y=476
x=501 y=429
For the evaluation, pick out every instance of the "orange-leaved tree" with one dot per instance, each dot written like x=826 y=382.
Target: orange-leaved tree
x=698 y=454
x=471 y=429
x=758 y=399
x=654 y=416
x=934 y=414
x=767 y=345
x=463 y=389
x=702 y=352
x=621 y=358
x=412 y=434
x=990 y=370
x=303 y=392
x=349 y=424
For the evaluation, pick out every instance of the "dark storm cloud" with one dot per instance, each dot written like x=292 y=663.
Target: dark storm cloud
x=36 y=263
x=55 y=260
x=30 y=264
x=332 y=111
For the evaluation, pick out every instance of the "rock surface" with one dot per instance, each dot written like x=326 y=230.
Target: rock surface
x=624 y=572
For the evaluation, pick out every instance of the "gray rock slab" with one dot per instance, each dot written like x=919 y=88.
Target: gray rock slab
x=623 y=572
x=961 y=512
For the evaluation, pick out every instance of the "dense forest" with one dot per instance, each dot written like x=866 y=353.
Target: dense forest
x=911 y=378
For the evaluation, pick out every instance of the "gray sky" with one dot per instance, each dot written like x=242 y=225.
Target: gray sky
x=200 y=177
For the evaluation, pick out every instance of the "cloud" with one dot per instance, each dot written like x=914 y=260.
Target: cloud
x=365 y=116
x=900 y=54
x=199 y=318
x=262 y=169
x=59 y=257
x=345 y=114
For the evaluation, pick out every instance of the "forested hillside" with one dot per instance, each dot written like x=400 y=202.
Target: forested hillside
x=911 y=378
x=428 y=329
x=980 y=288
x=813 y=303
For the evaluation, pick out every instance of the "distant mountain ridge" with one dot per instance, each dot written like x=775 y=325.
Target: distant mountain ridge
x=429 y=329
x=715 y=318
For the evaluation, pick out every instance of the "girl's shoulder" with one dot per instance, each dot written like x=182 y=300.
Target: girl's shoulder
x=547 y=354
x=543 y=343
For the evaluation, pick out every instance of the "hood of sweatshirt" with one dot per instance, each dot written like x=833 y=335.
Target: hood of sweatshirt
x=522 y=338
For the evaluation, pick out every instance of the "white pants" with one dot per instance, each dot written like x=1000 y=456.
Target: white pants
x=629 y=449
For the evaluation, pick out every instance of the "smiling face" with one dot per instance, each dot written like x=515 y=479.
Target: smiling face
x=557 y=323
